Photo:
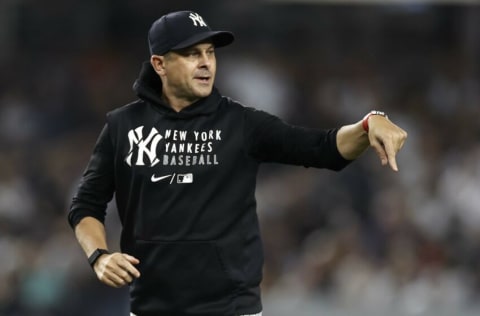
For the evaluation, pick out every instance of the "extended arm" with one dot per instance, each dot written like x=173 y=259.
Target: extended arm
x=384 y=136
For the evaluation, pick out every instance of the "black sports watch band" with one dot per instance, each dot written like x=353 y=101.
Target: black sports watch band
x=95 y=255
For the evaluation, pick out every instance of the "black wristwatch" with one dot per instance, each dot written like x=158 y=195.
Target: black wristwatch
x=95 y=255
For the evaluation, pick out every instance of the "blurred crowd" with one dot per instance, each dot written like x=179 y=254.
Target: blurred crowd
x=364 y=241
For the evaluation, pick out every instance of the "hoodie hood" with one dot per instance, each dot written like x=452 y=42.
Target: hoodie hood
x=148 y=87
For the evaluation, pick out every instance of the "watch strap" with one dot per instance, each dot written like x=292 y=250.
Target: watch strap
x=95 y=255
x=366 y=117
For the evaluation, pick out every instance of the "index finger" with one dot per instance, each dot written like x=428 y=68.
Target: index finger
x=391 y=153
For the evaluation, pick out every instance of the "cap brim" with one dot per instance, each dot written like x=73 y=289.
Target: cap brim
x=219 y=39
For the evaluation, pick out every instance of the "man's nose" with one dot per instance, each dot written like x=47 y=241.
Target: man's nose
x=205 y=60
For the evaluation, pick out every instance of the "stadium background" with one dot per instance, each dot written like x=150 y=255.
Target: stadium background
x=365 y=241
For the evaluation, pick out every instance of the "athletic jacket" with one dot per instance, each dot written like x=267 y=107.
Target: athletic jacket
x=184 y=186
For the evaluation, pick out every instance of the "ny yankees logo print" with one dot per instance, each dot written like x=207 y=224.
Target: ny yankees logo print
x=197 y=18
x=146 y=146
x=172 y=147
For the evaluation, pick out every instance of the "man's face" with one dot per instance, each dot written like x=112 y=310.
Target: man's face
x=189 y=73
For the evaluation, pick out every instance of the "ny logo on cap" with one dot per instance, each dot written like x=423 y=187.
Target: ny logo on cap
x=197 y=18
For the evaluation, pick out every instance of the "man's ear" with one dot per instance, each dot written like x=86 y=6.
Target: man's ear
x=158 y=64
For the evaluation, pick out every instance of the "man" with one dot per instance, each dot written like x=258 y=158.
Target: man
x=182 y=162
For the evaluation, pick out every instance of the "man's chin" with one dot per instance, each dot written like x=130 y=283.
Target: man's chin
x=204 y=92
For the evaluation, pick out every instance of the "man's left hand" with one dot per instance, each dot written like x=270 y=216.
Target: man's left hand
x=386 y=138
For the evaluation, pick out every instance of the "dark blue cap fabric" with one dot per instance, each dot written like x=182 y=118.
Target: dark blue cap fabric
x=182 y=29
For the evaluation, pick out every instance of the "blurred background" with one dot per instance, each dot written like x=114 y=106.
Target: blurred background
x=365 y=241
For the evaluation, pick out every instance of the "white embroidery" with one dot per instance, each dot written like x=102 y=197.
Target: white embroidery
x=197 y=18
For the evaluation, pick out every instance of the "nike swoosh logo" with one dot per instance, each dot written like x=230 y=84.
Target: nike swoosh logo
x=156 y=179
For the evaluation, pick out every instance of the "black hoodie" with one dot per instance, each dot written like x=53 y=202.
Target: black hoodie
x=184 y=184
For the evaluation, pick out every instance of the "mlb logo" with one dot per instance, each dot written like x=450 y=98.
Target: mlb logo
x=185 y=178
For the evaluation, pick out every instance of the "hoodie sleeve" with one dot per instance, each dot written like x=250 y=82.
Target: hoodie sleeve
x=96 y=186
x=269 y=139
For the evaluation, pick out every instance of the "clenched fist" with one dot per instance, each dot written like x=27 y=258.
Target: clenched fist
x=116 y=269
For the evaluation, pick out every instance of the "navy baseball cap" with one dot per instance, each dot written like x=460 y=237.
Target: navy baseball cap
x=182 y=29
